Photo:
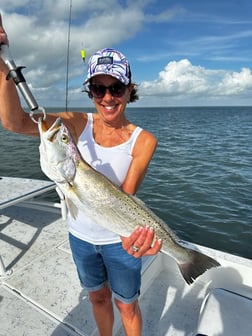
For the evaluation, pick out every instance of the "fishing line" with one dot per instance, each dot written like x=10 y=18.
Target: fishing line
x=68 y=52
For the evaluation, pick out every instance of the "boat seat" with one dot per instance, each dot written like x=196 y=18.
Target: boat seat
x=225 y=313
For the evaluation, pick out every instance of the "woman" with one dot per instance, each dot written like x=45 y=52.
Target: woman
x=106 y=263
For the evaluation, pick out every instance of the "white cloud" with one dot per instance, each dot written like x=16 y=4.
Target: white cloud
x=182 y=80
x=236 y=83
x=177 y=78
x=38 y=35
x=38 y=31
x=166 y=15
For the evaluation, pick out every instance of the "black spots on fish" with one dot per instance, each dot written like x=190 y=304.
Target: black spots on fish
x=147 y=220
x=138 y=216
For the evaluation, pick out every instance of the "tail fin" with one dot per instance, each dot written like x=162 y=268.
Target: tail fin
x=198 y=265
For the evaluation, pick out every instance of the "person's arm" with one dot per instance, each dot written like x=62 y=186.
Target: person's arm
x=142 y=237
x=12 y=115
x=143 y=151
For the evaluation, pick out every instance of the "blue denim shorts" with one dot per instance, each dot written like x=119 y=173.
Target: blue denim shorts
x=99 y=265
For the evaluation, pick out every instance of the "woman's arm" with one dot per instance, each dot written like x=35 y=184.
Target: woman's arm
x=142 y=237
x=12 y=115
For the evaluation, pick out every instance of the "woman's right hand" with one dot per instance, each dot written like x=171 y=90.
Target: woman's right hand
x=3 y=35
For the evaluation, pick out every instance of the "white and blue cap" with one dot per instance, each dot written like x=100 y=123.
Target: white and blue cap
x=109 y=62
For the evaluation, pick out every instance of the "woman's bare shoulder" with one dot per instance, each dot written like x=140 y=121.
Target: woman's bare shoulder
x=75 y=121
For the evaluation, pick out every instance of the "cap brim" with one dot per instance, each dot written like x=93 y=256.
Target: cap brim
x=125 y=82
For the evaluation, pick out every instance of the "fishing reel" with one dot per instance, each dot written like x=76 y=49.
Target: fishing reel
x=15 y=73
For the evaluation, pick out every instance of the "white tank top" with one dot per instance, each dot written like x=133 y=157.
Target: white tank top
x=114 y=163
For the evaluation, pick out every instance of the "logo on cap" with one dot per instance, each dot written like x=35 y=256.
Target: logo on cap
x=105 y=60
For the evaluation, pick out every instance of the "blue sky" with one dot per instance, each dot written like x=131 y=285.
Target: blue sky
x=182 y=53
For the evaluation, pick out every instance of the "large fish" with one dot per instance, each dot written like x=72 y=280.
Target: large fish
x=88 y=190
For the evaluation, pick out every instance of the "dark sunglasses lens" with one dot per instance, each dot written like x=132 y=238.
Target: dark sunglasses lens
x=117 y=90
x=97 y=91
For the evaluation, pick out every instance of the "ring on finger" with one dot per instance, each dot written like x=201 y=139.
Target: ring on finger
x=134 y=248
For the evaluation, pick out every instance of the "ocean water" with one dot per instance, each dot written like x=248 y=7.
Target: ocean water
x=199 y=180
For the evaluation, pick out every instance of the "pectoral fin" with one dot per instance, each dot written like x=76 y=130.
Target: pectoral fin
x=72 y=208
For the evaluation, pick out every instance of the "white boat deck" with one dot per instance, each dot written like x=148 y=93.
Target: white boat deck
x=40 y=292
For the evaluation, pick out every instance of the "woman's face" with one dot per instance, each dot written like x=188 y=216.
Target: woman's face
x=110 y=107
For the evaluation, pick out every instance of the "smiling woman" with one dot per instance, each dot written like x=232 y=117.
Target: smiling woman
x=121 y=151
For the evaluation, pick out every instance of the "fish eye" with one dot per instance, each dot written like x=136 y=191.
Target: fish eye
x=64 y=138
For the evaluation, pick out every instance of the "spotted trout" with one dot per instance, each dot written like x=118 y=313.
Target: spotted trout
x=87 y=190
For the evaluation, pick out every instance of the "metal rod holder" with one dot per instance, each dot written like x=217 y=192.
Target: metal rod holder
x=16 y=74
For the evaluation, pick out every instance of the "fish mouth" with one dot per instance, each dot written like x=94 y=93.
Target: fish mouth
x=51 y=131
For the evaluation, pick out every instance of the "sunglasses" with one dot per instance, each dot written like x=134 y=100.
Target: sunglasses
x=116 y=90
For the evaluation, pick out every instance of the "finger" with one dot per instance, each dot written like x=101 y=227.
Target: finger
x=152 y=250
x=146 y=243
x=1 y=25
x=3 y=35
x=155 y=248
x=127 y=242
x=142 y=241
x=143 y=236
x=145 y=240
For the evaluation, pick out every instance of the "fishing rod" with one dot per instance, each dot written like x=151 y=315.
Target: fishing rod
x=68 y=52
x=82 y=53
x=15 y=73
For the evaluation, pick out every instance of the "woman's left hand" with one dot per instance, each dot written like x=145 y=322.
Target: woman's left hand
x=141 y=242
